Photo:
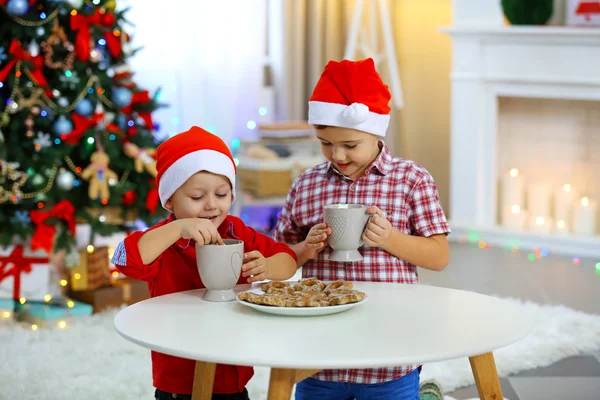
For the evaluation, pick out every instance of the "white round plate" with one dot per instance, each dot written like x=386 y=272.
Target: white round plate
x=297 y=311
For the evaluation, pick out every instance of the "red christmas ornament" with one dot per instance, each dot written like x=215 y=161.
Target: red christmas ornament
x=128 y=198
x=108 y=19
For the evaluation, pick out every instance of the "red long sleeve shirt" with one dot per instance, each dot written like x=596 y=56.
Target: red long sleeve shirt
x=175 y=270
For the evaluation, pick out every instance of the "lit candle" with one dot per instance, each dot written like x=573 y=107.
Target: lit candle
x=561 y=228
x=542 y=225
x=514 y=217
x=584 y=216
x=563 y=203
x=512 y=189
x=538 y=199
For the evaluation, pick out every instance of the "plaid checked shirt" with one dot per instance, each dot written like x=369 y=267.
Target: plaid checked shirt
x=403 y=190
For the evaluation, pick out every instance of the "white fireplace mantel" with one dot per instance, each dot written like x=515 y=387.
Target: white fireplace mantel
x=534 y=62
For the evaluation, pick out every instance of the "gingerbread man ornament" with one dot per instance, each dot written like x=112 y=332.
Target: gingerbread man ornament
x=98 y=174
x=142 y=158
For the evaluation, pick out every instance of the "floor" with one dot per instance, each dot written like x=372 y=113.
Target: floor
x=547 y=279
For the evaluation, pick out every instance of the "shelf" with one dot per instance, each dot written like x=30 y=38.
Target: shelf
x=524 y=30
x=571 y=245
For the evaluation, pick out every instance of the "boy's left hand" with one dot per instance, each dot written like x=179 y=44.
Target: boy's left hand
x=378 y=230
x=255 y=266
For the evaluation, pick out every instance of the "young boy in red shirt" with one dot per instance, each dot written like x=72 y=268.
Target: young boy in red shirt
x=349 y=110
x=196 y=183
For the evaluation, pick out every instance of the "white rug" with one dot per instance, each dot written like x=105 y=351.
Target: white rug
x=89 y=360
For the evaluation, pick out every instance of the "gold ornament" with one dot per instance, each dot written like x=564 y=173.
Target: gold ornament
x=110 y=5
x=57 y=37
x=34 y=99
x=142 y=158
x=98 y=175
x=31 y=103
x=18 y=178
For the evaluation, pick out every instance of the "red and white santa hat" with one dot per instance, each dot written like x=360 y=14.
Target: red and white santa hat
x=181 y=156
x=351 y=94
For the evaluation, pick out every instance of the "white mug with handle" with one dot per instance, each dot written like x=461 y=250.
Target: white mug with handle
x=220 y=267
x=347 y=223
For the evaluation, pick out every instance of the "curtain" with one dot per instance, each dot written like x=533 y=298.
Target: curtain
x=207 y=57
x=303 y=36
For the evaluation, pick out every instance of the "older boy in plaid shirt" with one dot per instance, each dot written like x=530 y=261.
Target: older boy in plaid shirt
x=349 y=109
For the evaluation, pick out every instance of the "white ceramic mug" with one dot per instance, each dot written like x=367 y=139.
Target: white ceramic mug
x=347 y=223
x=220 y=267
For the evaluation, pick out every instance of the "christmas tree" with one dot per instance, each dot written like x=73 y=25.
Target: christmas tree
x=76 y=132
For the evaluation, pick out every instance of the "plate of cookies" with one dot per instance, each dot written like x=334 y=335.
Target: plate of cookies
x=307 y=297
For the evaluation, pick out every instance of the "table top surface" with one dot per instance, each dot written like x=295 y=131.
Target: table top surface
x=398 y=325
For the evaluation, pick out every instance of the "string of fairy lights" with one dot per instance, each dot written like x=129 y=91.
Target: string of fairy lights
x=513 y=246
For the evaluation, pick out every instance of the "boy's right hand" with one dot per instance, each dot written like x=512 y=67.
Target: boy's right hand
x=316 y=240
x=201 y=230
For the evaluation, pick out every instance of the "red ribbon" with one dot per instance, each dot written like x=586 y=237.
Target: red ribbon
x=19 y=264
x=141 y=97
x=152 y=198
x=82 y=23
x=20 y=54
x=43 y=237
x=5 y=2
x=82 y=124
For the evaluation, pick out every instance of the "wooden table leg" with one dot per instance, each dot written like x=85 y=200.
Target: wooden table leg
x=204 y=379
x=486 y=377
x=282 y=381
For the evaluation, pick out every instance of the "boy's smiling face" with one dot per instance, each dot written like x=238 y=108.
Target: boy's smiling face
x=350 y=151
x=203 y=195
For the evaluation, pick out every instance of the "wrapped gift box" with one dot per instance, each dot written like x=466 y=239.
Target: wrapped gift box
x=54 y=313
x=119 y=292
x=92 y=271
x=6 y=308
x=583 y=13
x=32 y=275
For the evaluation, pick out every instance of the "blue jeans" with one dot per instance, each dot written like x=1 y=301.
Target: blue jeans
x=405 y=388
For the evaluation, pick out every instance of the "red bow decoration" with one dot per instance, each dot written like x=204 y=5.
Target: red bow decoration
x=82 y=124
x=141 y=97
x=19 y=264
x=43 y=237
x=152 y=199
x=20 y=54
x=81 y=23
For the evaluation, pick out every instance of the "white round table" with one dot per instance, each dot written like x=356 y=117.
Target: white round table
x=398 y=325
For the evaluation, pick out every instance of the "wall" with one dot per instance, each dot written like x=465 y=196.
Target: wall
x=424 y=59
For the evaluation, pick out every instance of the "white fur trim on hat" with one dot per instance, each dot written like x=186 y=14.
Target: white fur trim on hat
x=182 y=169
x=355 y=116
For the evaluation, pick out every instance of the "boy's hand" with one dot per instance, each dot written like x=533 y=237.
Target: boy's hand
x=316 y=240
x=378 y=230
x=255 y=266
x=201 y=230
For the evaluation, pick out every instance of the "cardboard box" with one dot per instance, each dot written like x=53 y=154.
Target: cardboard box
x=287 y=129
x=265 y=178
x=119 y=292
